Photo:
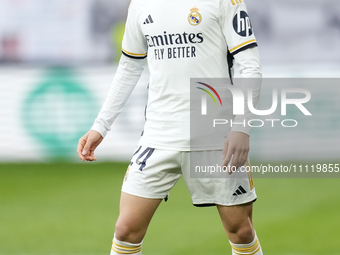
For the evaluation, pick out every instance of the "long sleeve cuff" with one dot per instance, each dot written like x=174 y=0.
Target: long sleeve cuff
x=100 y=127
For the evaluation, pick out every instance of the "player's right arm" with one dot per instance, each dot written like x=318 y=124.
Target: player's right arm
x=130 y=68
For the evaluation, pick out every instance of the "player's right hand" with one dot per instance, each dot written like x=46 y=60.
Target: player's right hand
x=87 y=144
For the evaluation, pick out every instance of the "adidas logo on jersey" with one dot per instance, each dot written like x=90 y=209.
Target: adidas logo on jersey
x=148 y=20
x=240 y=191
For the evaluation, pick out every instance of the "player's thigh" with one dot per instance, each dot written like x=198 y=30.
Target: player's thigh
x=135 y=215
x=237 y=222
x=150 y=176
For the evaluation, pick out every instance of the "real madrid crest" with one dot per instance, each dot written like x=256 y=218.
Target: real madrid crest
x=194 y=17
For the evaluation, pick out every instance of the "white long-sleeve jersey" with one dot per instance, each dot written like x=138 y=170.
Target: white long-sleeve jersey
x=181 y=40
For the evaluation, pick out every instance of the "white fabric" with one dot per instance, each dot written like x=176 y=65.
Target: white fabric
x=127 y=75
x=153 y=175
x=248 y=62
x=177 y=51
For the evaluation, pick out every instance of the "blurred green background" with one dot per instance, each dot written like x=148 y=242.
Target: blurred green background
x=70 y=208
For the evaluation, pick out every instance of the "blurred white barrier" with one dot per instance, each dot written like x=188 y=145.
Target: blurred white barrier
x=43 y=113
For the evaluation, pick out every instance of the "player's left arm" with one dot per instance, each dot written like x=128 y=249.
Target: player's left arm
x=242 y=45
x=237 y=142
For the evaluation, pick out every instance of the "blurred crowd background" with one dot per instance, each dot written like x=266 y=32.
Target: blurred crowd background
x=65 y=32
x=87 y=32
x=58 y=58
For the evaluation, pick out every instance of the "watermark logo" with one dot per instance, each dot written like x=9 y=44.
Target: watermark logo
x=241 y=101
x=204 y=98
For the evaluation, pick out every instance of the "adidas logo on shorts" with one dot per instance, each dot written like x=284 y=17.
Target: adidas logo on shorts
x=240 y=191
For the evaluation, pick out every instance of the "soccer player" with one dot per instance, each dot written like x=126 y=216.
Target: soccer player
x=181 y=40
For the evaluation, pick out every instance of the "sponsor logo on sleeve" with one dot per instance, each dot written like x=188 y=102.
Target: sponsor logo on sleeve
x=242 y=24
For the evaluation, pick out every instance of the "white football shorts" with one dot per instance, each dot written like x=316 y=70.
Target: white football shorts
x=153 y=172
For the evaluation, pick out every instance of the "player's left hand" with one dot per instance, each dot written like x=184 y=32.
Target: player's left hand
x=236 y=148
